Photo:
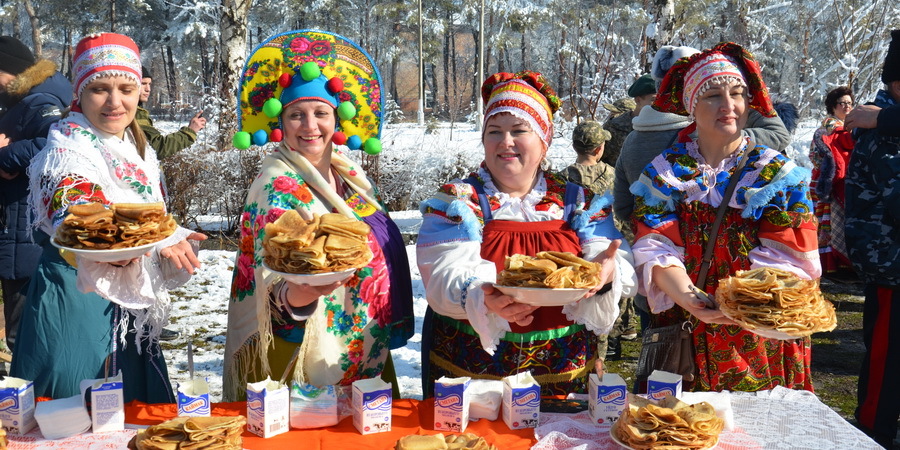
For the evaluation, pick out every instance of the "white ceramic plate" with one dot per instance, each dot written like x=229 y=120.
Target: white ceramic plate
x=612 y=434
x=764 y=332
x=314 y=279
x=106 y=256
x=543 y=296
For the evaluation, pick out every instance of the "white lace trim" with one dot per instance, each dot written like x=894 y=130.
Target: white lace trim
x=520 y=209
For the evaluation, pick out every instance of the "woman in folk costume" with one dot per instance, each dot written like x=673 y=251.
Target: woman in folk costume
x=830 y=151
x=84 y=319
x=310 y=90
x=514 y=205
x=768 y=222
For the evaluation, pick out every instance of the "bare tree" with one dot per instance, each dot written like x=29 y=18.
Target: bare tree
x=233 y=50
x=36 y=38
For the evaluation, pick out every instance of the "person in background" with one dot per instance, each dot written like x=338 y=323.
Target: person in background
x=84 y=319
x=165 y=144
x=873 y=241
x=624 y=105
x=829 y=152
x=590 y=172
x=512 y=204
x=769 y=220
x=34 y=95
x=643 y=91
x=329 y=95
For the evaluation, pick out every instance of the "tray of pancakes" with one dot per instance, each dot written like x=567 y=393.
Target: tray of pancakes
x=120 y=232
x=192 y=433
x=775 y=303
x=548 y=278
x=671 y=423
x=327 y=249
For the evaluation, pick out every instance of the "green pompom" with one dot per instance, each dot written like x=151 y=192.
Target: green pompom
x=310 y=71
x=272 y=108
x=241 y=140
x=346 y=111
x=372 y=146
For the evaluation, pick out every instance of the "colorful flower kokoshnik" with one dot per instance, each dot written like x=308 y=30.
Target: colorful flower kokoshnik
x=310 y=65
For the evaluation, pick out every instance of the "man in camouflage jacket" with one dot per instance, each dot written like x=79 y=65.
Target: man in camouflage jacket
x=873 y=241
x=165 y=144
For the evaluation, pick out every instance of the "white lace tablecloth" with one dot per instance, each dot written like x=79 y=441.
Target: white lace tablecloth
x=777 y=419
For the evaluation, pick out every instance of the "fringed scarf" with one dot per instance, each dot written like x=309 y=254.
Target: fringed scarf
x=77 y=151
x=346 y=338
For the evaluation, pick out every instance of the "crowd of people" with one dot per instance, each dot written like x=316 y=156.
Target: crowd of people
x=696 y=146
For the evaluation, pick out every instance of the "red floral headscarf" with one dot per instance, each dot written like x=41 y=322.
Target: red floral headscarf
x=671 y=94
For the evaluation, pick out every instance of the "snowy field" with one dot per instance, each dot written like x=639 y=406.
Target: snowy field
x=200 y=308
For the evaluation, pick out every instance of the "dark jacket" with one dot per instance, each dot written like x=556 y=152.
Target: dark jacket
x=872 y=194
x=168 y=144
x=35 y=100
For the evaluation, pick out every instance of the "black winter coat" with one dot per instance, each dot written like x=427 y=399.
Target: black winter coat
x=34 y=101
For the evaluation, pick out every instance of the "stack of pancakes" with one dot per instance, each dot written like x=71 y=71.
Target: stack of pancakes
x=192 y=433
x=124 y=225
x=328 y=243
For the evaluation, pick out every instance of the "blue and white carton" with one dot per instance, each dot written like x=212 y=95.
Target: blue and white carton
x=193 y=398
x=268 y=408
x=661 y=383
x=451 y=404
x=521 y=401
x=17 y=405
x=607 y=398
x=108 y=404
x=313 y=407
x=372 y=405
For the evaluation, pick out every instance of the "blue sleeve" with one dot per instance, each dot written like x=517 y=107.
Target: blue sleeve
x=39 y=113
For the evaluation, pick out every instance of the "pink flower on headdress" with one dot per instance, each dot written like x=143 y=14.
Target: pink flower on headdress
x=300 y=45
x=260 y=94
x=344 y=96
x=284 y=185
x=320 y=48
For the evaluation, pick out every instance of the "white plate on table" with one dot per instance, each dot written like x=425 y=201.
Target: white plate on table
x=543 y=296
x=314 y=279
x=612 y=434
x=107 y=256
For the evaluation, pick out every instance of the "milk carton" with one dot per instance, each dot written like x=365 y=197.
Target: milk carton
x=606 y=398
x=661 y=383
x=108 y=404
x=451 y=404
x=193 y=398
x=313 y=407
x=268 y=408
x=17 y=405
x=521 y=401
x=372 y=405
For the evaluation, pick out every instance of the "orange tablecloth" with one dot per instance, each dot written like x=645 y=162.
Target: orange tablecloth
x=409 y=417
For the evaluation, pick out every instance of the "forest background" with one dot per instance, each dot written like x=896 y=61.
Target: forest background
x=590 y=51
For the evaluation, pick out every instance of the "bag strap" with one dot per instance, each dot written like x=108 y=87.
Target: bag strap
x=720 y=214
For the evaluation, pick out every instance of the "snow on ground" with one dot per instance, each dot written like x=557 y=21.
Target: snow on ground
x=200 y=309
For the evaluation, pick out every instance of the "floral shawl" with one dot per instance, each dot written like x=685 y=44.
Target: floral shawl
x=81 y=164
x=347 y=336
